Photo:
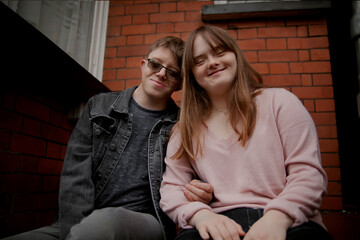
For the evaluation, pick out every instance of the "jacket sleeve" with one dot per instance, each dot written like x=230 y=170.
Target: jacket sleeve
x=178 y=173
x=306 y=180
x=76 y=197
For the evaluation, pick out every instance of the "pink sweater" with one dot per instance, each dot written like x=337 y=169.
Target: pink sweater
x=279 y=167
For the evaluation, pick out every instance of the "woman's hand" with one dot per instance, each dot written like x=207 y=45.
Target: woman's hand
x=272 y=226
x=217 y=226
x=198 y=191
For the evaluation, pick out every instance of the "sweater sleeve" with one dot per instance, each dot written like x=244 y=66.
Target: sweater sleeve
x=306 y=180
x=178 y=173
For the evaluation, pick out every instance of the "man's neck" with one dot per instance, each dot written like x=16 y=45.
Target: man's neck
x=148 y=102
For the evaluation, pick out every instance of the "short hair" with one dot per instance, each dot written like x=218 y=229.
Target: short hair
x=174 y=44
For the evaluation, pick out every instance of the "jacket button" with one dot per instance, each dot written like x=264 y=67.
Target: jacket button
x=97 y=132
x=112 y=147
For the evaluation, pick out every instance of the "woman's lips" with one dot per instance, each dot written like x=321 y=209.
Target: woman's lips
x=215 y=72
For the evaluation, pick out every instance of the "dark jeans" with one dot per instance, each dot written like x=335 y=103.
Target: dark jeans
x=246 y=217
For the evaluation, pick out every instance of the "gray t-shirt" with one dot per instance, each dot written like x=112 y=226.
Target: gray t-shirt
x=129 y=186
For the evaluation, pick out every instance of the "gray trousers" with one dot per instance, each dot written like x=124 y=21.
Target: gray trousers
x=102 y=224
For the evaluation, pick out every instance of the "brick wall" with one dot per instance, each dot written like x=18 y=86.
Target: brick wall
x=33 y=137
x=290 y=53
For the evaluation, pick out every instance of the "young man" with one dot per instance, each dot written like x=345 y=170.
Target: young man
x=113 y=166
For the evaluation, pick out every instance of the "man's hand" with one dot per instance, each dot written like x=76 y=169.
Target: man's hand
x=198 y=191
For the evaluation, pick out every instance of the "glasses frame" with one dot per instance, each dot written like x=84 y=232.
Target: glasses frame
x=167 y=72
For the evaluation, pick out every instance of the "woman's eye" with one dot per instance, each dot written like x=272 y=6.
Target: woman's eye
x=220 y=52
x=199 y=61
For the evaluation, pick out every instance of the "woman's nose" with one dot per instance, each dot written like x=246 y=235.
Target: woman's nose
x=213 y=61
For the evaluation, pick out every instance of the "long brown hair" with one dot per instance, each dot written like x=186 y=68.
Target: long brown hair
x=195 y=103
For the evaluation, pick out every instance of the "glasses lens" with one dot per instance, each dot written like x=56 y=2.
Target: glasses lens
x=173 y=74
x=154 y=65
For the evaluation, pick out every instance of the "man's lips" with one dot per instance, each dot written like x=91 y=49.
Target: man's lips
x=158 y=83
x=215 y=71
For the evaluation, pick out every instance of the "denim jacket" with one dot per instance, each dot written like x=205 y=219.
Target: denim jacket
x=94 y=150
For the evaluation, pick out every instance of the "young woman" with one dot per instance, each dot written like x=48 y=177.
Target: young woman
x=256 y=146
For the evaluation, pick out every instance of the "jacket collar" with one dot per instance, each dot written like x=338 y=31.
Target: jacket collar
x=122 y=102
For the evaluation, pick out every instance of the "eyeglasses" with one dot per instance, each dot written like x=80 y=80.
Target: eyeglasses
x=170 y=74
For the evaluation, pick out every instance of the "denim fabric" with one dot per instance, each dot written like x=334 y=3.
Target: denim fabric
x=246 y=217
x=94 y=149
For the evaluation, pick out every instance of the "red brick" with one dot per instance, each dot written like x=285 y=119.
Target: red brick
x=252 y=44
x=5 y=204
x=319 y=54
x=10 y=120
x=116 y=41
x=330 y=159
x=262 y=68
x=333 y=173
x=4 y=139
x=109 y=74
x=334 y=188
x=8 y=162
x=276 y=32
x=304 y=55
x=325 y=105
x=308 y=43
x=28 y=164
x=115 y=11
x=193 y=5
x=32 y=127
x=324 y=118
x=53 y=150
x=23 y=203
x=305 y=21
x=114 y=63
x=132 y=51
x=56 y=117
x=309 y=105
x=282 y=80
x=278 y=43
x=110 y=52
x=140 y=19
x=135 y=40
x=193 y=16
x=18 y=223
x=113 y=31
x=115 y=85
x=251 y=56
x=51 y=183
x=329 y=131
x=22 y=183
x=141 y=9
x=46 y=201
x=150 y=38
x=246 y=33
x=165 y=27
x=278 y=56
x=302 y=31
x=167 y=17
x=332 y=203
x=313 y=92
x=32 y=108
x=306 y=80
x=186 y=26
x=129 y=73
x=48 y=166
x=279 y=68
x=133 y=62
x=9 y=100
x=27 y=145
x=55 y=134
x=63 y=152
x=247 y=24
x=318 y=30
x=322 y=79
x=310 y=67
x=329 y=145
x=119 y=21
x=138 y=29
x=132 y=83
x=167 y=7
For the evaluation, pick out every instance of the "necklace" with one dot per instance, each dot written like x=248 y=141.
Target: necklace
x=226 y=112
